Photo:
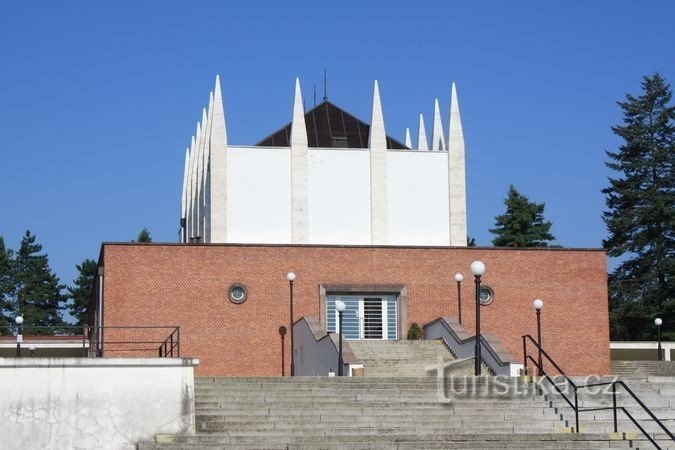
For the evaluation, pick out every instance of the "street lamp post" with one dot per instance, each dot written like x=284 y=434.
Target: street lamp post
x=291 y=278
x=340 y=306
x=658 y=322
x=538 y=305
x=282 y=333
x=478 y=269
x=19 y=335
x=458 y=278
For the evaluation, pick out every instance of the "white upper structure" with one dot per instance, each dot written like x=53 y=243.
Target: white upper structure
x=326 y=178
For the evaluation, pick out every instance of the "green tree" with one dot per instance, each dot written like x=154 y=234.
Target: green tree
x=6 y=285
x=523 y=224
x=144 y=236
x=80 y=292
x=640 y=215
x=38 y=293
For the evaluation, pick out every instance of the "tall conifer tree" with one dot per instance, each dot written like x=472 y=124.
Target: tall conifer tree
x=80 y=292
x=38 y=296
x=640 y=213
x=144 y=236
x=523 y=223
x=6 y=285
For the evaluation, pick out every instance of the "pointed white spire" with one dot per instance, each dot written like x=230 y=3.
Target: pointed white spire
x=207 y=139
x=183 y=197
x=408 y=141
x=437 y=136
x=188 y=203
x=378 y=136
x=205 y=202
x=218 y=162
x=456 y=174
x=200 y=177
x=298 y=127
x=195 y=182
x=422 y=135
x=377 y=142
x=299 y=172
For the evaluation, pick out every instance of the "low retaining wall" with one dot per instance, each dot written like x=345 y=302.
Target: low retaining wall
x=94 y=402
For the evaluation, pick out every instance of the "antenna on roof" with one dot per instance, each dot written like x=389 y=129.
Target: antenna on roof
x=315 y=95
x=325 y=85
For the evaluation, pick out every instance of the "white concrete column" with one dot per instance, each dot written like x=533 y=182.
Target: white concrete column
x=377 y=142
x=437 y=136
x=422 y=135
x=200 y=178
x=193 y=197
x=217 y=186
x=299 y=172
x=184 y=193
x=188 y=203
x=456 y=174
x=205 y=200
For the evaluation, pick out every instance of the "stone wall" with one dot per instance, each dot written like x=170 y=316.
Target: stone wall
x=100 y=403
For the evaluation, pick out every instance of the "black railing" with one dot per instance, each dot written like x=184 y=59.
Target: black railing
x=539 y=364
x=170 y=344
x=102 y=341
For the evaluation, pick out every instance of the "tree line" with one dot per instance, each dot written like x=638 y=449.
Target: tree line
x=29 y=288
x=639 y=215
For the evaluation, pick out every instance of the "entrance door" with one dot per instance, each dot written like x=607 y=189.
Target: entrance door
x=365 y=316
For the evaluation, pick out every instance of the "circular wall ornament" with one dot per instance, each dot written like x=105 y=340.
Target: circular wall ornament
x=237 y=293
x=487 y=295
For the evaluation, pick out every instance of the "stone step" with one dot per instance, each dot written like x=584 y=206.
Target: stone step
x=481 y=441
x=326 y=419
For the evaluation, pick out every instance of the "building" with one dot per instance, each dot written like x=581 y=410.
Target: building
x=387 y=243
x=325 y=178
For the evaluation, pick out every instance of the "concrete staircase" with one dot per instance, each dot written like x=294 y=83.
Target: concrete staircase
x=382 y=358
x=378 y=413
x=643 y=368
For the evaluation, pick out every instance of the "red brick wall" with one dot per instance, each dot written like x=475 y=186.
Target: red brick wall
x=187 y=285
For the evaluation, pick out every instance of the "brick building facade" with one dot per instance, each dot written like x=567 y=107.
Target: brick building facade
x=187 y=285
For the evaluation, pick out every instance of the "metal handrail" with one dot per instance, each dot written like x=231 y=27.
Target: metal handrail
x=575 y=405
x=90 y=334
x=169 y=344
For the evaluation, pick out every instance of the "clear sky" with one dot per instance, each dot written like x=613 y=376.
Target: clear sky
x=98 y=100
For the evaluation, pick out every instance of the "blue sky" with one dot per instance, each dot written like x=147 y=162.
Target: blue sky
x=98 y=100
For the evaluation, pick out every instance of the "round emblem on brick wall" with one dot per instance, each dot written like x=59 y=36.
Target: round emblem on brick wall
x=487 y=295
x=237 y=293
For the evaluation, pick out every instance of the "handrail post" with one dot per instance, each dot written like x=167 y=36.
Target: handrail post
x=178 y=341
x=614 y=405
x=576 y=409
x=171 y=343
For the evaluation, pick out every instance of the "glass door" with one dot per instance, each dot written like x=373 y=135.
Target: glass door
x=365 y=316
